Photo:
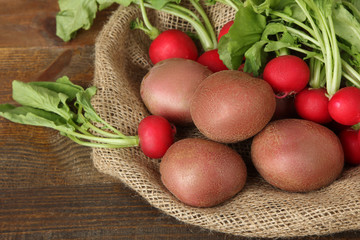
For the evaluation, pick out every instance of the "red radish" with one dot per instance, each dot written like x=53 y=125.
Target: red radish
x=156 y=135
x=287 y=74
x=212 y=60
x=351 y=145
x=312 y=104
x=344 y=106
x=172 y=43
x=225 y=29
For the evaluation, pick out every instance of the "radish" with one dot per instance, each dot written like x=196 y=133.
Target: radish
x=212 y=61
x=172 y=43
x=67 y=108
x=225 y=29
x=287 y=74
x=351 y=145
x=344 y=106
x=156 y=135
x=312 y=104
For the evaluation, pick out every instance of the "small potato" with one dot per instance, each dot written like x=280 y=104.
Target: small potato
x=167 y=88
x=202 y=173
x=297 y=155
x=231 y=106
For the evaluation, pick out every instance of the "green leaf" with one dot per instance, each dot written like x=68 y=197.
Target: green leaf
x=159 y=4
x=255 y=58
x=83 y=99
x=74 y=15
x=279 y=30
x=41 y=98
x=272 y=29
x=32 y=116
x=104 y=4
x=264 y=6
x=247 y=30
x=62 y=85
x=346 y=26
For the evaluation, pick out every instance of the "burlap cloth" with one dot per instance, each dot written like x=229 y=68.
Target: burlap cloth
x=259 y=210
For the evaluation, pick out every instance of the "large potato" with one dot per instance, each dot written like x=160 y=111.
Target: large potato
x=297 y=155
x=231 y=106
x=167 y=88
x=202 y=173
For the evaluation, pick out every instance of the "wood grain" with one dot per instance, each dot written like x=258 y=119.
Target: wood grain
x=43 y=193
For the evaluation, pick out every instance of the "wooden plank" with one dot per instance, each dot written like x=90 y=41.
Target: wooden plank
x=88 y=212
x=105 y=211
x=32 y=24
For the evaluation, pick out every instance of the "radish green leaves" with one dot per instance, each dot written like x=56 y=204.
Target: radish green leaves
x=65 y=107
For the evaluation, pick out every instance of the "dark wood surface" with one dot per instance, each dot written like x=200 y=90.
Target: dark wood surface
x=42 y=195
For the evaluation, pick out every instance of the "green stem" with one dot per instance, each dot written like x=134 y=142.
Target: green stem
x=337 y=69
x=184 y=10
x=301 y=50
x=206 y=20
x=102 y=132
x=315 y=30
x=152 y=31
x=235 y=4
x=289 y=19
x=128 y=142
x=315 y=69
x=204 y=36
x=302 y=35
x=92 y=144
x=350 y=73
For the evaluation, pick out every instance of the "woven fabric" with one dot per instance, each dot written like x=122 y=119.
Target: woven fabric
x=259 y=210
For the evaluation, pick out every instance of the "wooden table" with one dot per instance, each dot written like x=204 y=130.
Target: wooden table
x=42 y=195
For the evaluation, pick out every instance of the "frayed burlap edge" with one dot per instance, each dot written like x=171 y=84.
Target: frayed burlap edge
x=259 y=210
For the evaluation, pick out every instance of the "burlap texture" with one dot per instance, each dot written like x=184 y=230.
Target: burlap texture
x=259 y=210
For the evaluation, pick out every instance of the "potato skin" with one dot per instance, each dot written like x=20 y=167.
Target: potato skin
x=202 y=173
x=167 y=88
x=297 y=155
x=231 y=106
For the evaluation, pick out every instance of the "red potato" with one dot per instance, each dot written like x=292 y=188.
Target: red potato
x=168 y=87
x=297 y=155
x=202 y=173
x=230 y=106
x=172 y=43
